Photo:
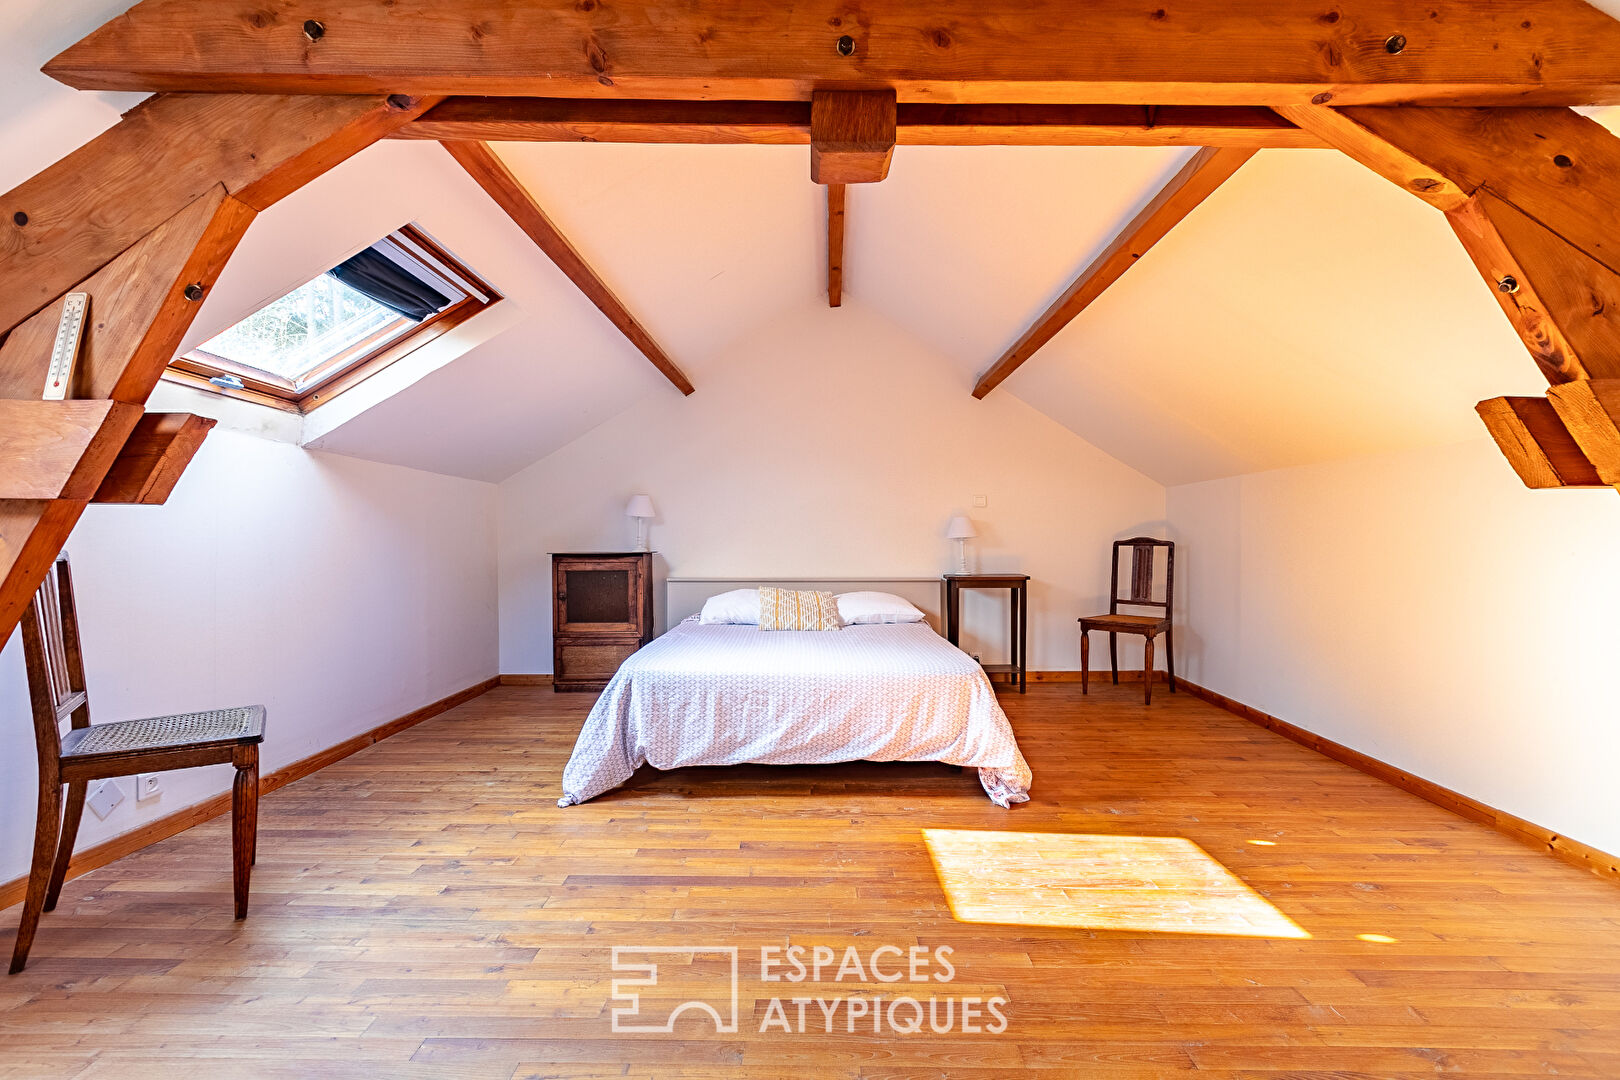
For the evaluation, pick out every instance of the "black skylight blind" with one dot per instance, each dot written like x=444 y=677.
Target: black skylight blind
x=376 y=275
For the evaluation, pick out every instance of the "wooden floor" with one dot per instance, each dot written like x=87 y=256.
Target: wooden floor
x=423 y=909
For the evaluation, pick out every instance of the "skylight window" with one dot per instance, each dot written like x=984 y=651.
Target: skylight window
x=329 y=334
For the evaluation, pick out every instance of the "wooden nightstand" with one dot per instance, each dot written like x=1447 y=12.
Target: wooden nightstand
x=602 y=611
x=1018 y=586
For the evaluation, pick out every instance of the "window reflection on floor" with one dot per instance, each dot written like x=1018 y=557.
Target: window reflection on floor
x=1156 y=884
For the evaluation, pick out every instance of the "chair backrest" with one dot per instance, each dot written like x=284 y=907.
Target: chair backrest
x=1141 y=579
x=50 y=631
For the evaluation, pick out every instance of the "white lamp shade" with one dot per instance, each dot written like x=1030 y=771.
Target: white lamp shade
x=640 y=507
x=960 y=528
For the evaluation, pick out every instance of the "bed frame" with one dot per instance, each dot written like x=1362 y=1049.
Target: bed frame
x=685 y=595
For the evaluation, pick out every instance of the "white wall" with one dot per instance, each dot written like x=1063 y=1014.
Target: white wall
x=830 y=443
x=338 y=593
x=1425 y=608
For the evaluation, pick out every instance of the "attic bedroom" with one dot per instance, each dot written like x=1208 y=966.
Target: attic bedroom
x=754 y=540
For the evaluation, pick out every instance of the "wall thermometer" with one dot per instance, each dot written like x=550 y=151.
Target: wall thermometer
x=65 y=353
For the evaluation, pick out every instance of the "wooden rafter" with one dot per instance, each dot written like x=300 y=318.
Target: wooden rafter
x=139 y=309
x=1496 y=52
x=491 y=174
x=142 y=219
x=835 y=244
x=1564 y=304
x=1558 y=167
x=1205 y=171
x=496 y=119
x=67 y=222
x=1534 y=196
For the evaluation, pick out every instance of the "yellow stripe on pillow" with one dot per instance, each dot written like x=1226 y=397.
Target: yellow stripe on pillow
x=792 y=609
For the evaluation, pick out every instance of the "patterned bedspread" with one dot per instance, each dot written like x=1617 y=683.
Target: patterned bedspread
x=724 y=695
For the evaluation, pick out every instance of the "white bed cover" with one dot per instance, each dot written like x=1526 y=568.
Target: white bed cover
x=725 y=695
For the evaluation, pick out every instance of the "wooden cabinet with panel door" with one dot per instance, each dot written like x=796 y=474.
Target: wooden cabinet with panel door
x=602 y=611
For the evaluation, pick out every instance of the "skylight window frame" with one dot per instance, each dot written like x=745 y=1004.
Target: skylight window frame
x=359 y=361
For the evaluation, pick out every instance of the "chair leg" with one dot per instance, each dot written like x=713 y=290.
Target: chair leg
x=46 y=829
x=70 y=833
x=1147 y=670
x=244 y=823
x=1170 y=657
x=1085 y=662
x=1113 y=655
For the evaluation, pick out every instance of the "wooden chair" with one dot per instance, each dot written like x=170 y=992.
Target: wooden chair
x=83 y=753
x=1149 y=626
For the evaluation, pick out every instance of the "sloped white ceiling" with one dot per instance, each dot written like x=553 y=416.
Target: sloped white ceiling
x=1308 y=310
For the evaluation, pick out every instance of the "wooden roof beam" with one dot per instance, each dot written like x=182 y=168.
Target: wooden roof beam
x=527 y=119
x=491 y=174
x=835 y=244
x=1534 y=196
x=67 y=222
x=59 y=449
x=142 y=218
x=1543 y=52
x=1193 y=183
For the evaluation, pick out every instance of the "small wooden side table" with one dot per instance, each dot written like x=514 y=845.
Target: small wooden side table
x=1018 y=586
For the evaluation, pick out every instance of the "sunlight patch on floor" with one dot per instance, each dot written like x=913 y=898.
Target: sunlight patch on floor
x=1152 y=884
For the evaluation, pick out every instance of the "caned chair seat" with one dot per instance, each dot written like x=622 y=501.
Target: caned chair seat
x=1126 y=624
x=183 y=731
x=88 y=752
x=1148 y=627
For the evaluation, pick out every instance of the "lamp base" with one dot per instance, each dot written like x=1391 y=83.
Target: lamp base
x=961 y=556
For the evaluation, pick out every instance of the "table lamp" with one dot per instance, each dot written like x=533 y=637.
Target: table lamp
x=640 y=508
x=961 y=530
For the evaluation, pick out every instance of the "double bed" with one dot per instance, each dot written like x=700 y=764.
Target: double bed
x=707 y=694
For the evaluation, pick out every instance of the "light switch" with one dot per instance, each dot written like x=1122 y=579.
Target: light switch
x=980 y=500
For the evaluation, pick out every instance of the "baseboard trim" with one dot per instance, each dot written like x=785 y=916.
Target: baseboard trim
x=1526 y=832
x=1098 y=678
x=525 y=680
x=1134 y=675
x=92 y=858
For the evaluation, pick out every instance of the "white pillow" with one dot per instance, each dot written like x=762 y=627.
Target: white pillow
x=738 y=607
x=865 y=608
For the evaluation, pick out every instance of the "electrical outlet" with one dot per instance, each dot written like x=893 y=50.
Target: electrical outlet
x=104 y=798
x=147 y=786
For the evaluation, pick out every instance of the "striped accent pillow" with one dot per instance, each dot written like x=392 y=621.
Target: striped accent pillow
x=790 y=609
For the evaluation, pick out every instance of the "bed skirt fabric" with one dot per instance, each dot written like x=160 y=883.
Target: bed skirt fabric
x=729 y=695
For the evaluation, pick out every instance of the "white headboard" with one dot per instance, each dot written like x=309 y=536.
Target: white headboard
x=685 y=596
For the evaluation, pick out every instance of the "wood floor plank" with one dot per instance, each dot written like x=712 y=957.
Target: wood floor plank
x=422 y=909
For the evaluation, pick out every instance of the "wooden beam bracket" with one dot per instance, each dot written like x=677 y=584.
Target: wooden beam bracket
x=852 y=135
x=150 y=464
x=1590 y=410
x=1536 y=443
